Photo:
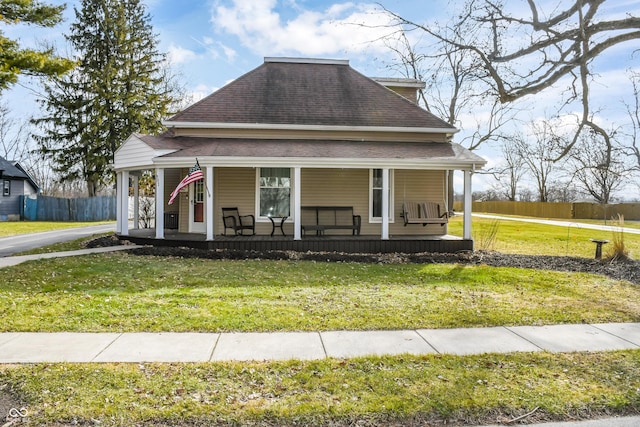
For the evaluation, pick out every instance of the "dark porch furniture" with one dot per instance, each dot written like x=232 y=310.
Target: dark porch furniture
x=423 y=213
x=277 y=222
x=322 y=218
x=232 y=219
x=171 y=220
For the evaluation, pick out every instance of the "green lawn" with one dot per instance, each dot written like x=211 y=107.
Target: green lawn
x=10 y=228
x=402 y=390
x=516 y=237
x=122 y=292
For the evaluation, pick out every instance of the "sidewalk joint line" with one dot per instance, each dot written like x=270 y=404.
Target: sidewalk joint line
x=324 y=349
x=617 y=336
x=107 y=346
x=508 y=328
x=427 y=342
x=215 y=345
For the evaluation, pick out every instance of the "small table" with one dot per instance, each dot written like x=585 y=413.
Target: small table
x=599 y=244
x=279 y=225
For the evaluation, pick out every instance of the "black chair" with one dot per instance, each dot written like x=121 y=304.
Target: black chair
x=232 y=219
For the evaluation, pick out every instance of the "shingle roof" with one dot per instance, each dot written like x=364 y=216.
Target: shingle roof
x=10 y=171
x=308 y=93
x=193 y=147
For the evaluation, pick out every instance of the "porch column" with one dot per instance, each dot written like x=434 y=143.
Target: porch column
x=297 y=184
x=159 y=203
x=119 y=202
x=466 y=229
x=385 y=204
x=136 y=201
x=209 y=189
x=124 y=204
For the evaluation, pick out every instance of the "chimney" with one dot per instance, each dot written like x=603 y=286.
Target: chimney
x=407 y=88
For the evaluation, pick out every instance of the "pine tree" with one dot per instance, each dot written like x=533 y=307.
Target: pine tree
x=119 y=87
x=15 y=60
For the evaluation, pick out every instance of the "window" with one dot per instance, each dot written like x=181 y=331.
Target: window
x=375 y=199
x=6 y=188
x=274 y=192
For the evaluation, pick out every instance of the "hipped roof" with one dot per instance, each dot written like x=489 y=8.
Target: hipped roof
x=309 y=93
x=300 y=112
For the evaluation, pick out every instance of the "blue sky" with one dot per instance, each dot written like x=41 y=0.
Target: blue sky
x=211 y=42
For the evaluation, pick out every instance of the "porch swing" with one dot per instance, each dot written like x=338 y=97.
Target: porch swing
x=423 y=212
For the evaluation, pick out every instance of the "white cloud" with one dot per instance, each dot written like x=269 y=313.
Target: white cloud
x=340 y=28
x=180 y=55
x=229 y=52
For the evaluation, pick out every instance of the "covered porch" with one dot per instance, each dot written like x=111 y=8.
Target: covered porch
x=196 y=218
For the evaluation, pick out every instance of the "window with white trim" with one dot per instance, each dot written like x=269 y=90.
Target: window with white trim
x=274 y=192
x=6 y=188
x=375 y=195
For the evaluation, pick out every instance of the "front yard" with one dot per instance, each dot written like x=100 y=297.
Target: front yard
x=126 y=292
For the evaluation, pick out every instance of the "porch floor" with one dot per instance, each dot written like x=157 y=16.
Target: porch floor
x=327 y=243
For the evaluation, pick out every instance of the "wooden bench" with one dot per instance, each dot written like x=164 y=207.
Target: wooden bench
x=322 y=218
x=423 y=213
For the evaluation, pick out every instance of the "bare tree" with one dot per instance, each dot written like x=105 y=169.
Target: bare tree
x=453 y=84
x=562 y=191
x=538 y=152
x=14 y=136
x=510 y=173
x=557 y=47
x=632 y=146
x=597 y=172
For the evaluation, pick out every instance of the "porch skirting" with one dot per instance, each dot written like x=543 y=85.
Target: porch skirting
x=346 y=244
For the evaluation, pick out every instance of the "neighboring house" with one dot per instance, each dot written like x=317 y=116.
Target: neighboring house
x=14 y=183
x=295 y=133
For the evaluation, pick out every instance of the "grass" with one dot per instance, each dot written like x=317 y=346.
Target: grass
x=516 y=237
x=405 y=390
x=122 y=292
x=11 y=228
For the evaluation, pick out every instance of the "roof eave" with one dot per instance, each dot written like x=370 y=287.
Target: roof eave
x=320 y=162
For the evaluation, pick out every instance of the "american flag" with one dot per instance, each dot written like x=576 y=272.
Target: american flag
x=195 y=174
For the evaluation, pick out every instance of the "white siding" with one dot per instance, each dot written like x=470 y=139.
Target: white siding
x=135 y=153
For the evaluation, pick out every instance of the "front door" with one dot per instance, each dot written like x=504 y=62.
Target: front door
x=196 y=208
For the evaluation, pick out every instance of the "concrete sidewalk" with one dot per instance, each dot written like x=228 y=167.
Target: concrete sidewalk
x=27 y=347
x=560 y=223
x=15 y=260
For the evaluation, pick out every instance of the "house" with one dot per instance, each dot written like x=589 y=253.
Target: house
x=294 y=134
x=15 y=183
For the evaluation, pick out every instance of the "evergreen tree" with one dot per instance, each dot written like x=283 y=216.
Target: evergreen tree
x=15 y=60
x=121 y=86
